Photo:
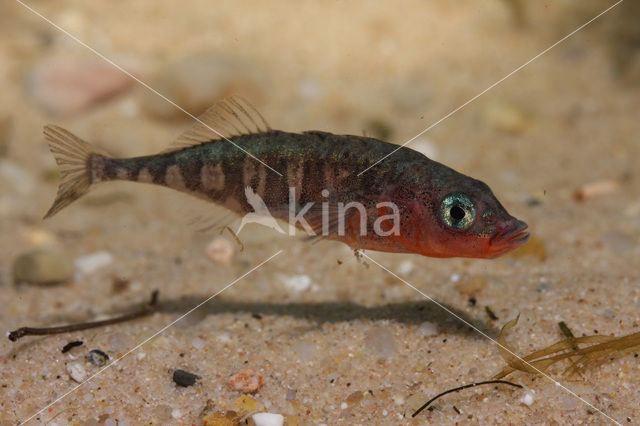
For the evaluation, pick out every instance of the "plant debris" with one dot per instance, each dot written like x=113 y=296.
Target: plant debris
x=148 y=309
x=490 y=313
x=579 y=357
x=459 y=388
x=66 y=348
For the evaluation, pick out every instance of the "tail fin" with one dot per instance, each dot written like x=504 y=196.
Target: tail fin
x=73 y=156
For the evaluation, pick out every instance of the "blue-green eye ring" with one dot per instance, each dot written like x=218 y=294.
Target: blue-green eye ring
x=457 y=211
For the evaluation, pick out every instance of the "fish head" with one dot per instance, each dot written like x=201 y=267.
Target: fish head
x=467 y=220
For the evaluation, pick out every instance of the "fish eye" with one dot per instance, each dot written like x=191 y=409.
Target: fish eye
x=457 y=211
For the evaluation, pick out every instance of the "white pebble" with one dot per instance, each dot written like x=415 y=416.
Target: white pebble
x=197 y=343
x=428 y=329
x=110 y=422
x=298 y=283
x=344 y=406
x=385 y=413
x=527 y=399
x=405 y=267
x=268 y=419
x=176 y=414
x=92 y=262
x=141 y=356
x=221 y=251
x=76 y=371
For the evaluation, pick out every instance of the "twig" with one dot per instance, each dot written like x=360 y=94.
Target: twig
x=488 y=382
x=31 y=331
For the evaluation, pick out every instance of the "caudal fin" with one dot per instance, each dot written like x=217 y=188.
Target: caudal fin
x=73 y=156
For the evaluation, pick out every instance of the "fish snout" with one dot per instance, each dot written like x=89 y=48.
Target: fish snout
x=512 y=235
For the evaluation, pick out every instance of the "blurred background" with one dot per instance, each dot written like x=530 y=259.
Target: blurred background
x=557 y=142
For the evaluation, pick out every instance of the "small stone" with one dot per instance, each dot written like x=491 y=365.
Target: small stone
x=596 y=189
x=198 y=343
x=428 y=329
x=268 y=419
x=16 y=177
x=221 y=251
x=380 y=342
x=297 y=283
x=184 y=378
x=45 y=266
x=176 y=414
x=354 y=398
x=471 y=286
x=535 y=248
x=291 y=395
x=97 y=357
x=527 y=399
x=306 y=350
x=505 y=117
x=246 y=381
x=64 y=85
x=76 y=371
x=87 y=264
x=245 y=404
x=406 y=267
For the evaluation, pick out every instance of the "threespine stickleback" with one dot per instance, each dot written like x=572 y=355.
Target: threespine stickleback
x=405 y=204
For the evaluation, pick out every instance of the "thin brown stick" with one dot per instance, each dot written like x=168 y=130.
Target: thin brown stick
x=31 y=331
x=471 y=385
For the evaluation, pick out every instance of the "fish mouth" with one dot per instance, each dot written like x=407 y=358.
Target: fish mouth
x=512 y=237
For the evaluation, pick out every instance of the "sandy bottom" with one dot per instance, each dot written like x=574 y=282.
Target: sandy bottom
x=337 y=339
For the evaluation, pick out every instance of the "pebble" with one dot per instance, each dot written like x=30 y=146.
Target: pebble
x=505 y=117
x=380 y=342
x=64 y=86
x=16 y=177
x=268 y=419
x=535 y=248
x=245 y=404
x=197 y=82
x=71 y=345
x=221 y=251
x=44 y=266
x=596 y=189
x=306 y=350
x=184 y=378
x=198 y=343
x=76 y=371
x=97 y=357
x=246 y=381
x=405 y=267
x=297 y=283
x=527 y=399
x=428 y=329
x=471 y=286
x=87 y=264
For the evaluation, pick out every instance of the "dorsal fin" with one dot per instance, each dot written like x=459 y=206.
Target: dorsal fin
x=230 y=117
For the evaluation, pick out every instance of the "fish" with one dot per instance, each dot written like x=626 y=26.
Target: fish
x=233 y=158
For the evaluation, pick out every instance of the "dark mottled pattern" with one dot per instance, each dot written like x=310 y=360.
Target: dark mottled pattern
x=343 y=155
